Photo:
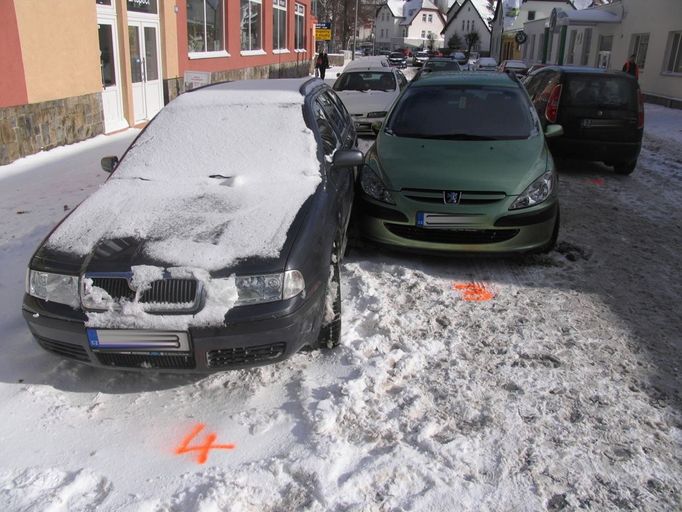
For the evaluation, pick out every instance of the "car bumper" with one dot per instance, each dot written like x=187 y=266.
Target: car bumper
x=363 y=126
x=604 y=151
x=238 y=345
x=505 y=232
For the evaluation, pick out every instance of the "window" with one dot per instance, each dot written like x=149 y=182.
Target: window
x=205 y=26
x=148 y=6
x=571 y=47
x=531 y=57
x=299 y=11
x=472 y=25
x=531 y=15
x=638 y=48
x=423 y=17
x=673 y=62
x=279 y=24
x=587 y=42
x=423 y=34
x=330 y=142
x=462 y=25
x=251 y=25
x=467 y=26
x=430 y=18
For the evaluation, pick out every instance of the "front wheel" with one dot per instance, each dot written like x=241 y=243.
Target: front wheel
x=330 y=331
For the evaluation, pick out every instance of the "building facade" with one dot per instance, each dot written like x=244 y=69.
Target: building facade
x=72 y=69
x=466 y=18
x=415 y=24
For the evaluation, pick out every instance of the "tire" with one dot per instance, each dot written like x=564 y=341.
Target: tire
x=624 y=168
x=330 y=330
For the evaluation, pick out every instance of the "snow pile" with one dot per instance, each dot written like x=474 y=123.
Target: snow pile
x=203 y=186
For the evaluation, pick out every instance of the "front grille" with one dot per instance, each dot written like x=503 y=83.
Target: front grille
x=64 y=349
x=163 y=296
x=466 y=198
x=152 y=362
x=448 y=236
x=227 y=357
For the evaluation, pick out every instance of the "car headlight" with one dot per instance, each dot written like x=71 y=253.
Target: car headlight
x=537 y=192
x=53 y=287
x=376 y=114
x=373 y=186
x=258 y=289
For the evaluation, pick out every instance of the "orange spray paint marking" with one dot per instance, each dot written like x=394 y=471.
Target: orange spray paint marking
x=203 y=448
x=597 y=181
x=473 y=292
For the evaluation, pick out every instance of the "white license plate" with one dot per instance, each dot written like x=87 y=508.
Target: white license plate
x=138 y=340
x=425 y=219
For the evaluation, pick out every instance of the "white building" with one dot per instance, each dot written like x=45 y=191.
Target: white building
x=409 y=24
x=605 y=36
x=464 y=18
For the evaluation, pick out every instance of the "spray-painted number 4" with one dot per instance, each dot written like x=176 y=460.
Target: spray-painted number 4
x=203 y=448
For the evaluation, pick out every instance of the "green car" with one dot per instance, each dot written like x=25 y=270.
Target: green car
x=461 y=164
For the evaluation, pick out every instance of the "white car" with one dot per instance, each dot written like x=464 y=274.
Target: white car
x=486 y=64
x=368 y=92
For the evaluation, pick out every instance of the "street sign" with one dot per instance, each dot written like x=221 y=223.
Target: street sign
x=323 y=31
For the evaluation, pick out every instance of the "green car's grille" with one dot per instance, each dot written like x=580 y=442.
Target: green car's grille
x=452 y=236
x=467 y=197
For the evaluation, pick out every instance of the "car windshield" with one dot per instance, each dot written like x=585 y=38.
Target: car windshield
x=397 y=55
x=366 y=81
x=487 y=62
x=462 y=112
x=603 y=91
x=442 y=65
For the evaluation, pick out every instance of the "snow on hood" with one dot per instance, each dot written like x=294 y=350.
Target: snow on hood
x=218 y=175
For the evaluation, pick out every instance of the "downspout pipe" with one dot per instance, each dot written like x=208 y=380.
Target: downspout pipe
x=545 y=46
x=562 y=44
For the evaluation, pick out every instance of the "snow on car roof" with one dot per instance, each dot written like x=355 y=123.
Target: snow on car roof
x=217 y=176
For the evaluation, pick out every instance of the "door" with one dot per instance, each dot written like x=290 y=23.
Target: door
x=112 y=105
x=145 y=69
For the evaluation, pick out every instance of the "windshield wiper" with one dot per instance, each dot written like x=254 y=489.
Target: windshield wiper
x=448 y=136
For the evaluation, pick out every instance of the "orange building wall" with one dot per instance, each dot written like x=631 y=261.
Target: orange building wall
x=12 y=83
x=60 y=48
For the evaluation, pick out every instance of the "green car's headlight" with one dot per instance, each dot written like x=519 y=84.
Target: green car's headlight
x=373 y=186
x=258 y=289
x=537 y=192
x=53 y=287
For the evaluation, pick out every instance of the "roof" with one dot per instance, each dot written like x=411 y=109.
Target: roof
x=458 y=8
x=415 y=6
x=465 y=78
x=587 y=17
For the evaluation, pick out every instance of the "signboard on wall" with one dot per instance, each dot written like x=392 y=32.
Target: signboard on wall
x=323 y=31
x=194 y=79
x=148 y=6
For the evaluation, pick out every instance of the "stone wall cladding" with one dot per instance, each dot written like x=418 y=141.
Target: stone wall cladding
x=173 y=87
x=28 y=129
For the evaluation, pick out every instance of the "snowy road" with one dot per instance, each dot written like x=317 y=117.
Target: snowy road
x=560 y=392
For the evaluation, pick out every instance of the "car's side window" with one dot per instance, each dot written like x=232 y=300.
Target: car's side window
x=330 y=140
x=348 y=120
x=533 y=84
x=402 y=81
x=334 y=115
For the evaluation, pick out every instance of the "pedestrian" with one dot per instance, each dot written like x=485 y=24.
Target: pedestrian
x=631 y=67
x=322 y=63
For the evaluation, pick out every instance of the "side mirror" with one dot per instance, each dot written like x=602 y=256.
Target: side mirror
x=338 y=75
x=554 y=130
x=109 y=163
x=348 y=158
x=376 y=127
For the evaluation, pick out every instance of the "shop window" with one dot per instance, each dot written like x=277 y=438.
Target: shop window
x=205 y=26
x=279 y=24
x=251 y=25
x=299 y=11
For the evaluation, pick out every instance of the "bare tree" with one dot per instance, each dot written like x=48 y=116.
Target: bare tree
x=471 y=39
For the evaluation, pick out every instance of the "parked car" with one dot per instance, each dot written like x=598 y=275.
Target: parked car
x=602 y=113
x=419 y=58
x=486 y=64
x=203 y=251
x=460 y=57
x=368 y=92
x=461 y=165
x=518 y=67
x=436 y=64
x=398 y=59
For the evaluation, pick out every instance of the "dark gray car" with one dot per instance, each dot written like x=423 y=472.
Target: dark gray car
x=215 y=243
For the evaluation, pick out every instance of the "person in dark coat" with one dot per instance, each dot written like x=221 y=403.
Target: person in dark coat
x=322 y=63
x=630 y=67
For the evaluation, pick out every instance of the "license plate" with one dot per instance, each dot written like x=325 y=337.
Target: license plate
x=426 y=220
x=138 y=340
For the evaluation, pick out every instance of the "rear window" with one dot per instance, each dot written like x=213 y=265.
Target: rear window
x=603 y=91
x=462 y=113
x=442 y=65
x=396 y=56
x=366 y=81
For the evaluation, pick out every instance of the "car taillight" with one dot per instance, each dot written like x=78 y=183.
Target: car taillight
x=640 y=109
x=552 y=109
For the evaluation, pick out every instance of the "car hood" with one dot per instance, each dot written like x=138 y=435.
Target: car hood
x=507 y=166
x=358 y=102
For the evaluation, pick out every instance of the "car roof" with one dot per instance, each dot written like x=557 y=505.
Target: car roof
x=365 y=63
x=465 y=78
x=441 y=59
x=271 y=89
x=577 y=70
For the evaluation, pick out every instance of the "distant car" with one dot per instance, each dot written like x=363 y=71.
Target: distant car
x=518 y=67
x=602 y=113
x=201 y=256
x=436 y=64
x=461 y=165
x=368 y=92
x=397 y=59
x=485 y=64
x=460 y=57
x=419 y=58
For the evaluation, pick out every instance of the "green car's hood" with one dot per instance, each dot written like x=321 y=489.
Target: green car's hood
x=507 y=166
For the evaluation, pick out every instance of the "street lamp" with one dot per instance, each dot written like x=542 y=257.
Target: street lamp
x=355 y=29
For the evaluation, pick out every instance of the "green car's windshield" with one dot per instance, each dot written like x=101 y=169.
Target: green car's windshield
x=462 y=112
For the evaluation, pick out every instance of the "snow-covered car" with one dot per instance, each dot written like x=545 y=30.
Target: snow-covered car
x=485 y=64
x=207 y=248
x=368 y=92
